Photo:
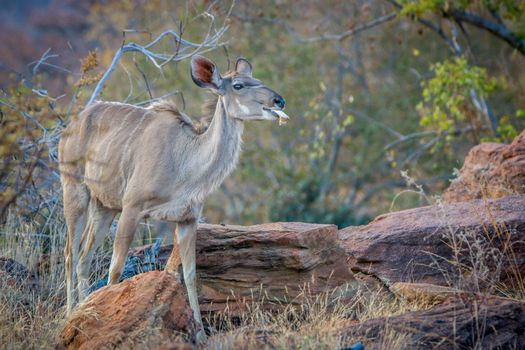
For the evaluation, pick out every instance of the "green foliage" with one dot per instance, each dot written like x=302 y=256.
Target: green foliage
x=447 y=103
x=301 y=203
x=419 y=8
x=507 y=130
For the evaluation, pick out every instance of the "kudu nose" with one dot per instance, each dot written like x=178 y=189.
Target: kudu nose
x=279 y=102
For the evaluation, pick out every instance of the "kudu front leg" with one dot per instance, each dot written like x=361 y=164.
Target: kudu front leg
x=186 y=237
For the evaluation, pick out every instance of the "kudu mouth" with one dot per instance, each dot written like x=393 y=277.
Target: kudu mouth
x=278 y=114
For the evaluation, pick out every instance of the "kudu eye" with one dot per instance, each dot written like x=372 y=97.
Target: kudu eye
x=238 y=86
x=279 y=102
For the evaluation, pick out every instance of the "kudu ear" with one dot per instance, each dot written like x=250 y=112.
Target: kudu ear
x=205 y=73
x=243 y=66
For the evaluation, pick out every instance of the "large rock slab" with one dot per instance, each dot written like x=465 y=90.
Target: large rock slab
x=490 y=170
x=147 y=311
x=470 y=323
x=278 y=262
x=416 y=245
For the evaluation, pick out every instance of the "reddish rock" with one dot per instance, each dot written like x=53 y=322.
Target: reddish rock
x=470 y=323
x=147 y=311
x=278 y=261
x=490 y=170
x=415 y=245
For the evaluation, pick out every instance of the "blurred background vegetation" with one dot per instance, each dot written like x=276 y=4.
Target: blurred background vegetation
x=374 y=88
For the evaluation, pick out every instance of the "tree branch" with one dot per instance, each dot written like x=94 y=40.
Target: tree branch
x=498 y=29
x=325 y=37
x=436 y=28
x=184 y=49
x=339 y=37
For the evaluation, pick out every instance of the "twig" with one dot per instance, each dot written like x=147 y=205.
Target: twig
x=339 y=37
x=143 y=77
x=24 y=114
x=406 y=138
x=42 y=59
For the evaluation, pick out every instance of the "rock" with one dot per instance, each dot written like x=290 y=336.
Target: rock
x=415 y=245
x=470 y=323
x=280 y=262
x=423 y=292
x=490 y=170
x=147 y=311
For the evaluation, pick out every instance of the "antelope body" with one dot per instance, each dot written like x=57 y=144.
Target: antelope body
x=152 y=163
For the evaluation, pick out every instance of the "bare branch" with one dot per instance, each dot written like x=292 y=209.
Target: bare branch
x=24 y=114
x=498 y=28
x=406 y=138
x=434 y=27
x=360 y=115
x=144 y=77
x=42 y=60
x=325 y=37
x=184 y=49
x=339 y=37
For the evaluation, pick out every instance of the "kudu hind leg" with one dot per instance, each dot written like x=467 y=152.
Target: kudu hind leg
x=76 y=199
x=98 y=224
x=127 y=225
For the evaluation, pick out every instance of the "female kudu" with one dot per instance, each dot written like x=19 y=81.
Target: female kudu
x=153 y=163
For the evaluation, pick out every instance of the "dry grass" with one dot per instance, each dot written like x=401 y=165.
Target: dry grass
x=29 y=318
x=318 y=323
x=484 y=262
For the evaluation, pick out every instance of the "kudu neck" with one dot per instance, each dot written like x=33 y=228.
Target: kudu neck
x=220 y=144
x=223 y=127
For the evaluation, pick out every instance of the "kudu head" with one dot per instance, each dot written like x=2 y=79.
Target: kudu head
x=243 y=96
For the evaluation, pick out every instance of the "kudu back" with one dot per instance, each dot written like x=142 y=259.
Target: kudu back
x=152 y=163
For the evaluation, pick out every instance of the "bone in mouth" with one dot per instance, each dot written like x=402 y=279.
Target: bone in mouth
x=283 y=117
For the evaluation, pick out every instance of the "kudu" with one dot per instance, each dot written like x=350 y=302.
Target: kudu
x=153 y=163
